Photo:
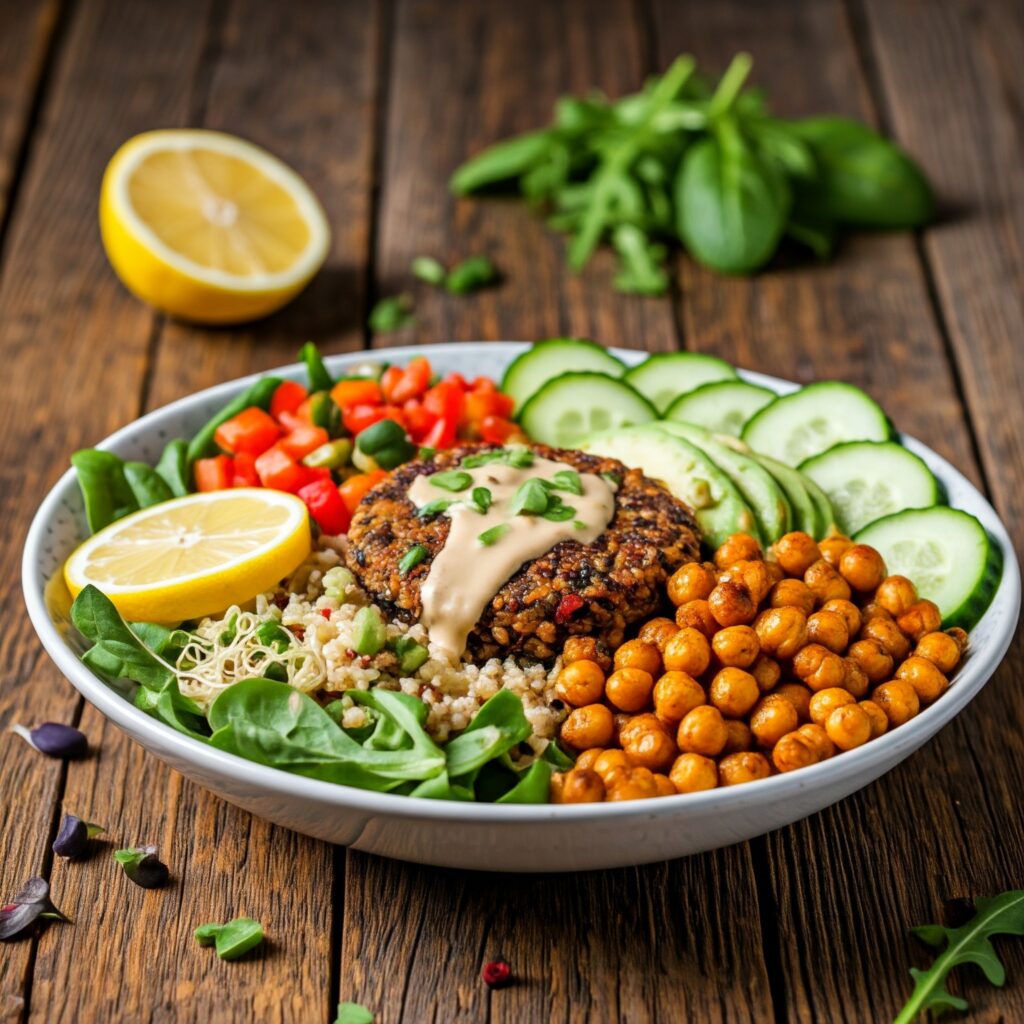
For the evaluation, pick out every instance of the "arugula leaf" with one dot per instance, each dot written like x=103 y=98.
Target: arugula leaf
x=971 y=943
x=641 y=271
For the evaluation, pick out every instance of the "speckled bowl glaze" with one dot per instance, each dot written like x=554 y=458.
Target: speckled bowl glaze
x=482 y=836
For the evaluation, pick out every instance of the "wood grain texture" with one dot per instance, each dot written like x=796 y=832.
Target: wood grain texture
x=909 y=842
x=465 y=75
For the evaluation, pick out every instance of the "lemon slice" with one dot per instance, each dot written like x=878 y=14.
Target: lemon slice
x=195 y=555
x=209 y=227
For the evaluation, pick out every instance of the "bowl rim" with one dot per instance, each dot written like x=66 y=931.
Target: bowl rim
x=866 y=761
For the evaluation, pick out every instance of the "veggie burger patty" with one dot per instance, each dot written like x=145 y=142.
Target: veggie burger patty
x=596 y=589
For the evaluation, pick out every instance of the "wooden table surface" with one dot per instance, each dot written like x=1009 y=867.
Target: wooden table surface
x=375 y=104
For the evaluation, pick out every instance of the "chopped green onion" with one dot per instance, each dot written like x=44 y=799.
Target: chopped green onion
x=481 y=499
x=412 y=558
x=495 y=533
x=433 y=508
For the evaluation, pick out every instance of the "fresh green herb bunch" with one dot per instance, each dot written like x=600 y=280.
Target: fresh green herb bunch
x=708 y=166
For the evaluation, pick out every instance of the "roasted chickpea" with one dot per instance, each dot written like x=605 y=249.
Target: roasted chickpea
x=638 y=654
x=736 y=646
x=833 y=548
x=588 y=757
x=781 y=631
x=692 y=773
x=775 y=572
x=848 y=726
x=753 y=575
x=589 y=726
x=924 y=677
x=733 y=691
x=872 y=657
x=796 y=552
x=829 y=630
x=664 y=785
x=772 y=718
x=848 y=610
x=792 y=594
x=873 y=610
x=621 y=720
x=732 y=604
x=817 y=739
x=658 y=632
x=740 y=547
x=766 y=672
x=895 y=594
x=738 y=736
x=921 y=618
x=697 y=615
x=818 y=667
x=629 y=689
x=748 y=766
x=634 y=784
x=580 y=682
x=960 y=636
x=610 y=763
x=691 y=582
x=898 y=699
x=676 y=694
x=940 y=649
x=879 y=719
x=797 y=695
x=650 y=747
x=632 y=724
x=793 y=752
x=825 y=583
x=824 y=702
x=855 y=680
x=577 y=786
x=702 y=731
x=688 y=651
x=889 y=635
x=586 y=648
x=862 y=567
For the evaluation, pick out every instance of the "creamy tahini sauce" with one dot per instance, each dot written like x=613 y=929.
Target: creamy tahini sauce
x=466 y=573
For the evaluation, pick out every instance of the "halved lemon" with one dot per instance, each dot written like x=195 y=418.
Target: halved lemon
x=195 y=555
x=209 y=227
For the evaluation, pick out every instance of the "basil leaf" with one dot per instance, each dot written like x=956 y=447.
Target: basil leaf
x=494 y=534
x=530 y=498
x=451 y=480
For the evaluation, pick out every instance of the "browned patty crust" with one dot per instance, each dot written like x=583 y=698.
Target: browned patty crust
x=619 y=578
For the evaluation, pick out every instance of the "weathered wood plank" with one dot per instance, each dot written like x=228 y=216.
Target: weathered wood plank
x=657 y=943
x=865 y=318
x=316 y=111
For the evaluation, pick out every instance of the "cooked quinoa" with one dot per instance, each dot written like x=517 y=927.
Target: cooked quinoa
x=321 y=662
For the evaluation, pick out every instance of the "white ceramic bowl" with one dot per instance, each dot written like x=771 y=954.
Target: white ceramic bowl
x=512 y=838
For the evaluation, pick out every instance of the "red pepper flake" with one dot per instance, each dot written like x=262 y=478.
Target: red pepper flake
x=497 y=974
x=298 y=632
x=350 y=654
x=325 y=612
x=281 y=600
x=567 y=607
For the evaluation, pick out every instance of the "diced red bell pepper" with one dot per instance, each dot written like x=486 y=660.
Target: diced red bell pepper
x=415 y=379
x=293 y=420
x=287 y=398
x=353 y=489
x=358 y=417
x=277 y=469
x=357 y=391
x=389 y=379
x=458 y=380
x=496 y=429
x=418 y=420
x=244 y=471
x=213 y=474
x=445 y=400
x=442 y=434
x=305 y=438
x=252 y=430
x=326 y=506
x=483 y=385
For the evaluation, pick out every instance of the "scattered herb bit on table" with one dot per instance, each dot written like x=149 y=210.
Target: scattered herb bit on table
x=391 y=314
x=73 y=838
x=353 y=1013
x=30 y=904
x=143 y=867
x=233 y=939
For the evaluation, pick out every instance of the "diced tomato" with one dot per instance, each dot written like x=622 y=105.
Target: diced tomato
x=326 y=506
x=481 y=402
x=357 y=391
x=496 y=429
x=245 y=474
x=252 y=430
x=389 y=379
x=442 y=434
x=287 y=398
x=292 y=420
x=299 y=442
x=418 y=421
x=277 y=469
x=353 y=489
x=213 y=474
x=314 y=473
x=415 y=379
x=483 y=385
x=359 y=417
x=458 y=380
x=445 y=400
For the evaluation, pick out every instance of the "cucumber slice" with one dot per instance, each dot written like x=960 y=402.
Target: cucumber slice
x=948 y=555
x=866 y=480
x=824 y=513
x=752 y=480
x=687 y=473
x=577 y=404
x=527 y=373
x=813 y=419
x=666 y=375
x=722 y=406
x=805 y=515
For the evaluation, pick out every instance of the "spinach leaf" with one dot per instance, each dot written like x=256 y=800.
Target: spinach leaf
x=501 y=163
x=865 y=179
x=319 y=378
x=259 y=394
x=170 y=706
x=173 y=467
x=533 y=786
x=441 y=787
x=779 y=141
x=105 y=490
x=146 y=484
x=731 y=203
x=498 y=726
x=557 y=757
